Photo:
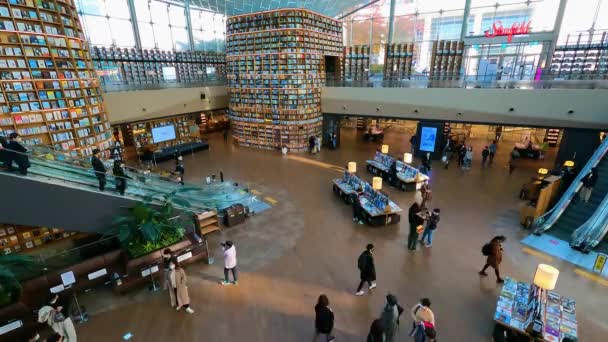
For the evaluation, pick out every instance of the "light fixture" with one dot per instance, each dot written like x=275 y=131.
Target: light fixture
x=542 y=171
x=569 y=163
x=384 y=149
x=377 y=183
x=352 y=167
x=546 y=277
x=407 y=158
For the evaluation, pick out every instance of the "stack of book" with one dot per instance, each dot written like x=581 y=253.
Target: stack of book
x=356 y=63
x=398 y=61
x=446 y=59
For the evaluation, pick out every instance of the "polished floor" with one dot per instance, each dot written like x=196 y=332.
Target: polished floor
x=307 y=244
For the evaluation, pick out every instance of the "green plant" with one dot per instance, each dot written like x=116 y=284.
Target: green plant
x=152 y=224
x=10 y=268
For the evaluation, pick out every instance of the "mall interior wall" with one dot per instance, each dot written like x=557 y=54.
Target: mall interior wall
x=530 y=107
x=129 y=106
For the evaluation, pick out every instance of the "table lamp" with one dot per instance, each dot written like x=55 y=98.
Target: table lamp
x=542 y=172
x=352 y=167
x=407 y=158
x=384 y=149
x=377 y=183
x=569 y=163
x=545 y=279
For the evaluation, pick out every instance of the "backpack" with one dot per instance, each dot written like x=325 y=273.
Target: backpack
x=362 y=261
x=486 y=250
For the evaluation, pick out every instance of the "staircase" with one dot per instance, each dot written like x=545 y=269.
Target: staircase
x=579 y=212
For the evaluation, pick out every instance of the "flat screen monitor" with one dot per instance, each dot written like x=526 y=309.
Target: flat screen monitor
x=427 y=139
x=164 y=133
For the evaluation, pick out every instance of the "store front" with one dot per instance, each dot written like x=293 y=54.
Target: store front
x=504 y=62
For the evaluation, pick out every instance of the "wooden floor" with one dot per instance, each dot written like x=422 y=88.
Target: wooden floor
x=307 y=244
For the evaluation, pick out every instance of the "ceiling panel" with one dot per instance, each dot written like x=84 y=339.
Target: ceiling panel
x=330 y=8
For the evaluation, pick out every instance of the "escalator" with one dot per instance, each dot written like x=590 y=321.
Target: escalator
x=569 y=214
x=62 y=192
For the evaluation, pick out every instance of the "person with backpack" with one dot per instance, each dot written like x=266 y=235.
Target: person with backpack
x=390 y=317
x=424 y=332
x=324 y=319
x=493 y=251
x=431 y=225
x=367 y=269
x=422 y=312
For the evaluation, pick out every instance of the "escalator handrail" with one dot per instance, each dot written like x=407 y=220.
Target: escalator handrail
x=546 y=221
x=589 y=234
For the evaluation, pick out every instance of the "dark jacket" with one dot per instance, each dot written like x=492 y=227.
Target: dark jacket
x=414 y=219
x=366 y=266
x=179 y=168
x=433 y=221
x=590 y=180
x=20 y=158
x=4 y=155
x=324 y=319
x=98 y=165
x=485 y=153
x=120 y=176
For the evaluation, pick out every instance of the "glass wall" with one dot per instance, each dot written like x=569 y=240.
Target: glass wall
x=106 y=22
x=161 y=25
x=584 y=24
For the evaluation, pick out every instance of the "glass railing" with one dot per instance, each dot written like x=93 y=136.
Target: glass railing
x=56 y=166
x=593 y=231
x=589 y=81
x=546 y=221
x=112 y=86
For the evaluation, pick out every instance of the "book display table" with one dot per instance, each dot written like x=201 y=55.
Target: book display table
x=408 y=178
x=520 y=304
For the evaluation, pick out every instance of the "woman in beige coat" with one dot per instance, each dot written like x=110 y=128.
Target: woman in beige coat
x=178 y=289
x=60 y=324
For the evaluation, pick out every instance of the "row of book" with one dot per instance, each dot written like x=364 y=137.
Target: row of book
x=145 y=55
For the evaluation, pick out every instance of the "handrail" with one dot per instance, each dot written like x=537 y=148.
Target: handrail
x=547 y=220
x=593 y=230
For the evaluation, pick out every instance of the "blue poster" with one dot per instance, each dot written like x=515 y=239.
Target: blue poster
x=427 y=139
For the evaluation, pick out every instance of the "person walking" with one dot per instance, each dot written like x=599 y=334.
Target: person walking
x=422 y=312
x=179 y=169
x=60 y=324
x=17 y=154
x=324 y=319
x=120 y=177
x=318 y=144
x=514 y=156
x=99 y=169
x=461 y=155
x=167 y=256
x=468 y=158
x=311 y=144
x=484 y=156
x=493 y=251
x=367 y=269
x=390 y=318
x=425 y=193
x=178 y=289
x=376 y=332
x=415 y=220
x=226 y=133
x=431 y=225
x=229 y=263
x=588 y=184
x=424 y=332
x=492 y=150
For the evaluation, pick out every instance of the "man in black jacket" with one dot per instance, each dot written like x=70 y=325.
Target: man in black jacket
x=367 y=268
x=17 y=154
x=99 y=168
x=415 y=220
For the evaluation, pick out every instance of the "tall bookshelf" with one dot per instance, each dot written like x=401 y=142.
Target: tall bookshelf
x=580 y=60
x=356 y=62
x=398 y=61
x=143 y=66
x=49 y=91
x=446 y=59
x=275 y=69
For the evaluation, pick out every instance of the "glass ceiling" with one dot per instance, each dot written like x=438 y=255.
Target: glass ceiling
x=331 y=8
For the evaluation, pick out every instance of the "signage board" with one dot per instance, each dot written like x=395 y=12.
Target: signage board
x=497 y=30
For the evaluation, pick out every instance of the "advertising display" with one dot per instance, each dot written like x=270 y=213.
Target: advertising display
x=164 y=133
x=427 y=139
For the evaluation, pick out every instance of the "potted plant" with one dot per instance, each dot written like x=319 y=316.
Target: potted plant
x=10 y=267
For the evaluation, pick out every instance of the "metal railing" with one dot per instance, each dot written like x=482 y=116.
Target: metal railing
x=109 y=86
x=593 y=231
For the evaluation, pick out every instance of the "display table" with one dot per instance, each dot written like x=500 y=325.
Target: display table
x=408 y=178
x=344 y=190
x=520 y=303
x=378 y=217
x=525 y=152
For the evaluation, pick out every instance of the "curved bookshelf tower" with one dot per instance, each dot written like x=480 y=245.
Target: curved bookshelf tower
x=49 y=91
x=276 y=68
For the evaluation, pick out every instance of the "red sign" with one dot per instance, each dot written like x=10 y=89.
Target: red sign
x=514 y=30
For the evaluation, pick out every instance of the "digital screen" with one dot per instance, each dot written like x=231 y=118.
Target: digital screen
x=164 y=133
x=427 y=139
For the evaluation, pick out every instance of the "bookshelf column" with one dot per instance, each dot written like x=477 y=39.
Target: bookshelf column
x=49 y=90
x=276 y=68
